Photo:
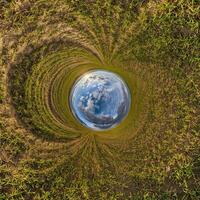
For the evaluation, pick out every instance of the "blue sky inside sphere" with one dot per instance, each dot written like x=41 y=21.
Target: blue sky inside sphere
x=100 y=99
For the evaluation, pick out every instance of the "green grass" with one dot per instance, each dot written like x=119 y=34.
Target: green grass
x=46 y=153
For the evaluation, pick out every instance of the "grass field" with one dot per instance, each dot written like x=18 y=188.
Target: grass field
x=45 y=45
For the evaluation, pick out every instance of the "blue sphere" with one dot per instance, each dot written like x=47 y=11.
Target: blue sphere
x=100 y=99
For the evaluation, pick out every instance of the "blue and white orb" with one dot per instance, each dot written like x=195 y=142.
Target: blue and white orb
x=100 y=99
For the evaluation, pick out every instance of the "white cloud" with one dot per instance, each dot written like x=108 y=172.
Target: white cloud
x=90 y=105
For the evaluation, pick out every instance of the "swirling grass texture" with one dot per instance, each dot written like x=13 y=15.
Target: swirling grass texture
x=46 y=153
